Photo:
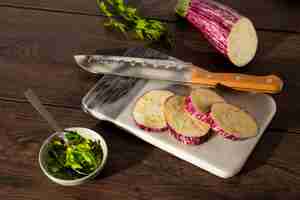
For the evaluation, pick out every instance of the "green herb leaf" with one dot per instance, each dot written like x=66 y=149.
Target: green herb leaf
x=80 y=154
x=73 y=137
x=129 y=20
x=104 y=9
x=116 y=25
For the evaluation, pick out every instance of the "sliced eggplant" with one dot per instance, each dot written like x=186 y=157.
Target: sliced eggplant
x=199 y=102
x=232 y=122
x=148 y=111
x=182 y=126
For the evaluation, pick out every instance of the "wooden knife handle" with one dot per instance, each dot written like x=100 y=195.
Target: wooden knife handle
x=265 y=84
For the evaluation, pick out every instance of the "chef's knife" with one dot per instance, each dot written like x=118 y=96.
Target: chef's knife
x=177 y=71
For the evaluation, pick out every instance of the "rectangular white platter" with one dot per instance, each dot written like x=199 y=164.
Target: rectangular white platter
x=112 y=99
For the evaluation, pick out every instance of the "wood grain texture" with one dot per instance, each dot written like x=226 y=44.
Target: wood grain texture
x=151 y=8
x=37 y=36
x=37 y=41
x=151 y=172
x=32 y=49
x=271 y=14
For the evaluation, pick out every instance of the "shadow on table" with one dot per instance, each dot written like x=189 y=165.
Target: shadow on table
x=263 y=151
x=124 y=150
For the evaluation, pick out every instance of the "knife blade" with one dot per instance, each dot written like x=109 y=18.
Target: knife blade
x=176 y=71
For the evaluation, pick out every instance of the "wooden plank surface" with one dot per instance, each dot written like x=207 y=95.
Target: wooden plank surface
x=154 y=173
x=151 y=8
x=269 y=14
x=37 y=41
x=31 y=48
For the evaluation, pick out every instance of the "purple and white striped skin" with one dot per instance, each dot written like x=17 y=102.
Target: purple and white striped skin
x=231 y=122
x=206 y=117
x=181 y=125
x=187 y=139
x=216 y=22
x=199 y=102
x=189 y=107
x=149 y=129
x=215 y=127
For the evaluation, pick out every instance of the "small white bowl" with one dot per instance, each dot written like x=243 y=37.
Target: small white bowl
x=86 y=133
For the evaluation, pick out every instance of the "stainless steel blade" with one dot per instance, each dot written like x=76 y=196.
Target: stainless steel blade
x=159 y=69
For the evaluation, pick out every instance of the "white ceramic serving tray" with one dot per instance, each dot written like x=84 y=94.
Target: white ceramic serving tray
x=113 y=98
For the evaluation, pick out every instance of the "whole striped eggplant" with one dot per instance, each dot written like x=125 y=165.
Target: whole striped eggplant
x=230 y=33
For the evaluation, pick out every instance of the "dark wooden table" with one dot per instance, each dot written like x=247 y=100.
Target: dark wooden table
x=37 y=41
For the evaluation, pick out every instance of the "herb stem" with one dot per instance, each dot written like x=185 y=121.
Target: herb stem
x=130 y=20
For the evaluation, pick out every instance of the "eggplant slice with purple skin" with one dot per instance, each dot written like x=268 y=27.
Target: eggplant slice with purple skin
x=182 y=126
x=148 y=111
x=232 y=122
x=199 y=103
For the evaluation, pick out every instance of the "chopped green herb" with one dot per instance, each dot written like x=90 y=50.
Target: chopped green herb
x=73 y=159
x=126 y=19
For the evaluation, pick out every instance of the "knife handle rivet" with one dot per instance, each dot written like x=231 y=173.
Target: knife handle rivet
x=209 y=76
x=269 y=80
x=238 y=78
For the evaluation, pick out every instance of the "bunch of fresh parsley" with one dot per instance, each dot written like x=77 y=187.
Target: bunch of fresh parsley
x=73 y=159
x=126 y=19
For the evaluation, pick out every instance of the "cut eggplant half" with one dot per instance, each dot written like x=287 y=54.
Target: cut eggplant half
x=231 y=122
x=182 y=126
x=148 y=111
x=199 y=102
x=227 y=31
